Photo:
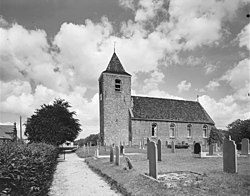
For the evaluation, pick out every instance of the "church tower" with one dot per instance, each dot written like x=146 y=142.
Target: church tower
x=114 y=103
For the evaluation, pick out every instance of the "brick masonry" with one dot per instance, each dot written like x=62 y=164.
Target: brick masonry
x=114 y=108
x=143 y=129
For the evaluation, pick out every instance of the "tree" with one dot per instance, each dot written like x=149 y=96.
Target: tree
x=239 y=129
x=215 y=136
x=53 y=124
x=93 y=138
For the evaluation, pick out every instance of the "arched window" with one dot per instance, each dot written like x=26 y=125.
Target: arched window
x=154 y=129
x=118 y=85
x=189 y=130
x=172 y=130
x=205 y=131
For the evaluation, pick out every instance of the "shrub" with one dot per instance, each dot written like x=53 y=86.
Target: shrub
x=26 y=169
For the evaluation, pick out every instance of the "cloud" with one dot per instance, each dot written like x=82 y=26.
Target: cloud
x=212 y=85
x=220 y=110
x=183 y=86
x=244 y=37
x=152 y=82
x=209 y=68
x=239 y=79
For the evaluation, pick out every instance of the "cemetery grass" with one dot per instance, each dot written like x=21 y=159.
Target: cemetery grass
x=133 y=182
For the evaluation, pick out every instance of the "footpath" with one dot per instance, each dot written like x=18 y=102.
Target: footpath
x=73 y=177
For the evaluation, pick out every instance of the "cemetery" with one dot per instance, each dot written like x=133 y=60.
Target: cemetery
x=159 y=170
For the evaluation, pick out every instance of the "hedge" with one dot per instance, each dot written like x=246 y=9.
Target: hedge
x=26 y=169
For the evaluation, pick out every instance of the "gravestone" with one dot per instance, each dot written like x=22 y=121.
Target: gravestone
x=245 y=146
x=229 y=156
x=140 y=145
x=122 y=149
x=205 y=144
x=172 y=147
x=84 y=149
x=128 y=163
x=130 y=144
x=97 y=152
x=88 y=149
x=153 y=165
x=211 y=149
x=159 y=149
x=117 y=155
x=111 y=154
x=147 y=148
x=215 y=147
x=166 y=143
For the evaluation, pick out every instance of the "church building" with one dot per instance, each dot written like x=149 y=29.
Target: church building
x=125 y=118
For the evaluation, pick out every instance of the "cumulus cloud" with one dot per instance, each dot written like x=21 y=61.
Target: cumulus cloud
x=183 y=86
x=244 y=37
x=212 y=85
x=34 y=70
x=209 y=68
x=239 y=79
x=220 y=110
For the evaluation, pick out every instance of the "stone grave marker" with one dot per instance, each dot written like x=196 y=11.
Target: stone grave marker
x=139 y=144
x=159 y=149
x=88 y=149
x=215 y=147
x=153 y=165
x=245 y=146
x=211 y=149
x=117 y=155
x=147 y=148
x=229 y=156
x=128 y=163
x=172 y=147
x=111 y=154
x=97 y=152
x=122 y=149
x=84 y=149
x=166 y=143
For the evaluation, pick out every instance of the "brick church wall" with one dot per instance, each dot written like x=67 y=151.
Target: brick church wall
x=114 y=113
x=143 y=129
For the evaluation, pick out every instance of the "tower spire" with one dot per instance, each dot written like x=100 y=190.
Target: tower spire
x=114 y=46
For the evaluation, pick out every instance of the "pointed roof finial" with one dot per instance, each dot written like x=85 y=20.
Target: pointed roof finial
x=114 y=46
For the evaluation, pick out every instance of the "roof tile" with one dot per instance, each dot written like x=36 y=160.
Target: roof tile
x=150 y=108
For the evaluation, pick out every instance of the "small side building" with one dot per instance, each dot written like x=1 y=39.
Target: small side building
x=8 y=133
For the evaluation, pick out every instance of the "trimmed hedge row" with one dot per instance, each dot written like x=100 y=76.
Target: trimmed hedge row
x=26 y=169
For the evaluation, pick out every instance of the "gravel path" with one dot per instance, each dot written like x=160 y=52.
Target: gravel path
x=73 y=177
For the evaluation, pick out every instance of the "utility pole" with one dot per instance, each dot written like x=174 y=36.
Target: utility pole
x=21 y=129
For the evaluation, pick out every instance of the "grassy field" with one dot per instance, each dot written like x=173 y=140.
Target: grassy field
x=133 y=182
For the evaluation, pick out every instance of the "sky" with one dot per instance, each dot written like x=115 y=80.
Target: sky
x=173 y=49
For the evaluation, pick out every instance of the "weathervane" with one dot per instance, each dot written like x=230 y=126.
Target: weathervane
x=114 y=45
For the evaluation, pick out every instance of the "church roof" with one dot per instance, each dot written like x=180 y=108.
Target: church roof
x=148 y=108
x=6 y=132
x=115 y=66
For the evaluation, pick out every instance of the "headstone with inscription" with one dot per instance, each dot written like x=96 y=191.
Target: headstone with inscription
x=153 y=165
x=159 y=149
x=117 y=155
x=172 y=147
x=245 y=146
x=111 y=154
x=211 y=149
x=229 y=156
